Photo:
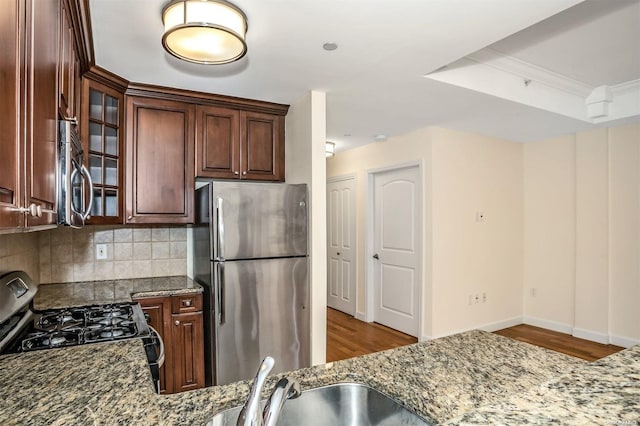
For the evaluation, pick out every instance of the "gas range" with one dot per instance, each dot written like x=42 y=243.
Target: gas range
x=23 y=329
x=57 y=328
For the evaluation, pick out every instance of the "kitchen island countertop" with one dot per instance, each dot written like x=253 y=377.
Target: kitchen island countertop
x=468 y=378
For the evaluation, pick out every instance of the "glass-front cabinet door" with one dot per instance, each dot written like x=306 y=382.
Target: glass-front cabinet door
x=102 y=140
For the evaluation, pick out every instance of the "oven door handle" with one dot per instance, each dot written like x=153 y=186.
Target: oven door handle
x=159 y=339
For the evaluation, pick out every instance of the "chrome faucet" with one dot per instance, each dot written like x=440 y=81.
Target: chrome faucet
x=284 y=389
x=250 y=414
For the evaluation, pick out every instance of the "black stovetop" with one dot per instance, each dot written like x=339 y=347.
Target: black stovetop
x=57 y=328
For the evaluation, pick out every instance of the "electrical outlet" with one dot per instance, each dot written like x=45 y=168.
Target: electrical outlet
x=533 y=292
x=479 y=216
x=470 y=299
x=476 y=298
x=484 y=297
x=101 y=251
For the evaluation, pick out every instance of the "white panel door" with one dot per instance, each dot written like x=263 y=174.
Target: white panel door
x=397 y=249
x=341 y=265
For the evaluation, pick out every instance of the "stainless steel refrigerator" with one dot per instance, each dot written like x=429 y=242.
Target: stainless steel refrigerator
x=250 y=255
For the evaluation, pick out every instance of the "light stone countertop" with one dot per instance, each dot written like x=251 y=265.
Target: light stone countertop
x=468 y=378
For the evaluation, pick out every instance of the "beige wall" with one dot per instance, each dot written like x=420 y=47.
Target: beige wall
x=592 y=235
x=462 y=174
x=549 y=232
x=624 y=236
x=472 y=174
x=19 y=252
x=305 y=163
x=582 y=234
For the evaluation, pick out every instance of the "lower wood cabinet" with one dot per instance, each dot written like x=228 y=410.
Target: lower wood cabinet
x=178 y=320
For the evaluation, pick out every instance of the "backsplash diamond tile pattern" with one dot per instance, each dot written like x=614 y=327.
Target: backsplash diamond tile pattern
x=69 y=255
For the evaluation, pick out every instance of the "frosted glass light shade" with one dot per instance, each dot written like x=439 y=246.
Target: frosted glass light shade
x=204 y=31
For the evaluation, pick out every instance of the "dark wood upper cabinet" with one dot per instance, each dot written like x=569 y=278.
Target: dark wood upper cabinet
x=11 y=44
x=40 y=66
x=160 y=161
x=28 y=129
x=42 y=112
x=68 y=66
x=236 y=144
x=262 y=146
x=102 y=136
x=217 y=142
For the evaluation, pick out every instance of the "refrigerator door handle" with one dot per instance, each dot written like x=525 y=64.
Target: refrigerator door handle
x=220 y=227
x=220 y=295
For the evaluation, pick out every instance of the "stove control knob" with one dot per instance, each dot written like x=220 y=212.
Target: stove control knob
x=177 y=322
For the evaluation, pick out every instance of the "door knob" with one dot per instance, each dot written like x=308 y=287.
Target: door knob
x=177 y=322
x=375 y=256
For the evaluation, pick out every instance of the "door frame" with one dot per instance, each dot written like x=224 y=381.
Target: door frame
x=339 y=178
x=369 y=291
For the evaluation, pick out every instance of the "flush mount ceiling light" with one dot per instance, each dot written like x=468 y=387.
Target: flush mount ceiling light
x=204 y=31
x=329 y=149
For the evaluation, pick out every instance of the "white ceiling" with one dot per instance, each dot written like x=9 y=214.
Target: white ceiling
x=375 y=81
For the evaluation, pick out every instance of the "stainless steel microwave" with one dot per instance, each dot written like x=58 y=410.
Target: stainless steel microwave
x=75 y=188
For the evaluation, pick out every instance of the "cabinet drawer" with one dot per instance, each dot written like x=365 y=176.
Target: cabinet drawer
x=186 y=303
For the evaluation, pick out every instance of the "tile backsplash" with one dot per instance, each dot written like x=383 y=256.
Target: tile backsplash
x=69 y=255
x=19 y=252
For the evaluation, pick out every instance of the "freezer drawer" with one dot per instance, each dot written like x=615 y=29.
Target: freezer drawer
x=262 y=309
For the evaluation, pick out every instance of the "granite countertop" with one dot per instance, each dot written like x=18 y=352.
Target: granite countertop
x=468 y=378
x=605 y=392
x=53 y=296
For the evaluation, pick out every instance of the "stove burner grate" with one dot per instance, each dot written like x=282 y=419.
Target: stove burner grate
x=90 y=324
x=55 y=339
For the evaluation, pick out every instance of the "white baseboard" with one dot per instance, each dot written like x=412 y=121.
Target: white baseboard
x=590 y=335
x=549 y=325
x=491 y=326
x=361 y=316
x=499 y=325
x=580 y=333
x=625 y=342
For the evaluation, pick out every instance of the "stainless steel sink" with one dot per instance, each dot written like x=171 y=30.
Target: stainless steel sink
x=349 y=404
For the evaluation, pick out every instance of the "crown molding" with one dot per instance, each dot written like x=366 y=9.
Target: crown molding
x=528 y=71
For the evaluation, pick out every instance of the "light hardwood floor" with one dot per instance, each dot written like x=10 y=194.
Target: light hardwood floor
x=348 y=337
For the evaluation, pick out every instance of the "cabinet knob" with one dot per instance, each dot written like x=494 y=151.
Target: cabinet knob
x=244 y=173
x=35 y=210
x=129 y=217
x=186 y=302
x=236 y=172
x=177 y=322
